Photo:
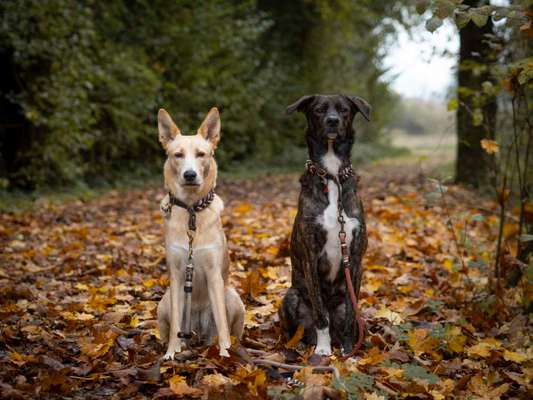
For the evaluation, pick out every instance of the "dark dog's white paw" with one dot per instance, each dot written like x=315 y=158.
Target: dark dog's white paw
x=323 y=342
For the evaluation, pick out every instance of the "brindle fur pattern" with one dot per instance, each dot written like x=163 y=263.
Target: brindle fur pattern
x=314 y=300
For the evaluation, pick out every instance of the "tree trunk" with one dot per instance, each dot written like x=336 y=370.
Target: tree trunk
x=473 y=165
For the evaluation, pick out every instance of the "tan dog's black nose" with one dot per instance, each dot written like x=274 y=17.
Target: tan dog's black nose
x=189 y=175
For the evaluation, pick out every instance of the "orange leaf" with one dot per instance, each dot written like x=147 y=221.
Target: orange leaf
x=291 y=344
x=490 y=146
x=179 y=387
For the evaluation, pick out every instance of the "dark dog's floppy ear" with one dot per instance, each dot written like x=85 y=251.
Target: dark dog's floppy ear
x=360 y=105
x=300 y=104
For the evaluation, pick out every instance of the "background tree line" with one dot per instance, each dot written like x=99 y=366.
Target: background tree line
x=81 y=81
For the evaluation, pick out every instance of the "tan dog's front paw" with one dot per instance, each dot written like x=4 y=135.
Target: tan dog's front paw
x=223 y=349
x=172 y=349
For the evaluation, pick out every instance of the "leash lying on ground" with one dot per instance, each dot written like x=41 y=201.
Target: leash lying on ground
x=345 y=173
x=186 y=332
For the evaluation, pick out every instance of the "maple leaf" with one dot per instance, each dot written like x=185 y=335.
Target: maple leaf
x=490 y=146
x=515 y=356
x=179 y=387
x=389 y=315
x=293 y=342
x=484 y=347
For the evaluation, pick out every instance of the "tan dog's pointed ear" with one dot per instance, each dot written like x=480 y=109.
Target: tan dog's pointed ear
x=210 y=128
x=167 y=128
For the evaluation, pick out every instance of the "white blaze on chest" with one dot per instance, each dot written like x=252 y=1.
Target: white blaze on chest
x=329 y=222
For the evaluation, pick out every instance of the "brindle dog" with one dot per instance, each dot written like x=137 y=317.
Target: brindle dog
x=318 y=298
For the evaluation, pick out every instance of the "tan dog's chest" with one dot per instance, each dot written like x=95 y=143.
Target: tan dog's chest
x=209 y=248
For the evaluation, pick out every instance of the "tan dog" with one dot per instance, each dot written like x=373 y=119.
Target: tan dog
x=190 y=174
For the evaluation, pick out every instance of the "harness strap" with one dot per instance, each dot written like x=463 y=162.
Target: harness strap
x=200 y=205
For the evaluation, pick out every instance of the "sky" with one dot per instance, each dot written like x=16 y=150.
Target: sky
x=419 y=65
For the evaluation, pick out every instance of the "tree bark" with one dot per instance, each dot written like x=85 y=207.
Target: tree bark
x=473 y=165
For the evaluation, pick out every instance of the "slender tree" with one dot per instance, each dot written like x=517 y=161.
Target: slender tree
x=476 y=114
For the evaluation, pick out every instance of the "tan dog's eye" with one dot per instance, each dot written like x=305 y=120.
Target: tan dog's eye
x=178 y=155
x=200 y=154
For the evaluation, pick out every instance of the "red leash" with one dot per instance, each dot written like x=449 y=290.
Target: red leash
x=358 y=318
x=346 y=264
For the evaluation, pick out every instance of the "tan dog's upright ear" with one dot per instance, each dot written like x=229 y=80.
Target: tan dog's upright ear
x=210 y=128
x=167 y=128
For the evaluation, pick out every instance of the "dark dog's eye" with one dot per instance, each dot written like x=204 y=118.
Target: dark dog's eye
x=344 y=110
x=320 y=110
x=178 y=155
x=200 y=154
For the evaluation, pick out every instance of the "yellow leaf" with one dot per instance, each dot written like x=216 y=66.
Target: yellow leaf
x=490 y=146
x=134 y=321
x=389 y=315
x=514 y=356
x=291 y=344
x=421 y=342
x=456 y=340
x=484 y=347
x=76 y=316
x=149 y=283
x=436 y=395
x=373 y=396
x=179 y=387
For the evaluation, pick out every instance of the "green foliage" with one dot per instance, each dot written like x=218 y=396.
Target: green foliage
x=85 y=78
x=416 y=372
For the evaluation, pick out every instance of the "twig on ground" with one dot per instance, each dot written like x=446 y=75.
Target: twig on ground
x=291 y=367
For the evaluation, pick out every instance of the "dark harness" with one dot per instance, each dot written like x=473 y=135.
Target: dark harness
x=200 y=205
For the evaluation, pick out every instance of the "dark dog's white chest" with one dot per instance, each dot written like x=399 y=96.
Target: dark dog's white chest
x=329 y=221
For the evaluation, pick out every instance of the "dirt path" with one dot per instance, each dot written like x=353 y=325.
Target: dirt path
x=79 y=284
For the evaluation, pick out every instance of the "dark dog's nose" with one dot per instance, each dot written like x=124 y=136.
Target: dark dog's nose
x=189 y=175
x=332 y=121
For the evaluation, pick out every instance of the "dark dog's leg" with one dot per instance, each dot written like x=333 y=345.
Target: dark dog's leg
x=312 y=282
x=294 y=312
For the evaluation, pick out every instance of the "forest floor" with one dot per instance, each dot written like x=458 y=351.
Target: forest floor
x=80 y=282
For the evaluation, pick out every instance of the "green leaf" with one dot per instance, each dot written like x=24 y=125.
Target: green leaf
x=453 y=104
x=462 y=19
x=487 y=87
x=417 y=372
x=444 y=8
x=478 y=218
x=526 y=238
x=433 y=24
x=477 y=117
x=421 y=6
x=479 y=19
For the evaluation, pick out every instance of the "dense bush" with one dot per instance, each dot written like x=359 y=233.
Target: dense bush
x=82 y=81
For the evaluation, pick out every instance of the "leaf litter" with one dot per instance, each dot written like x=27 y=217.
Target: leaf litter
x=80 y=282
